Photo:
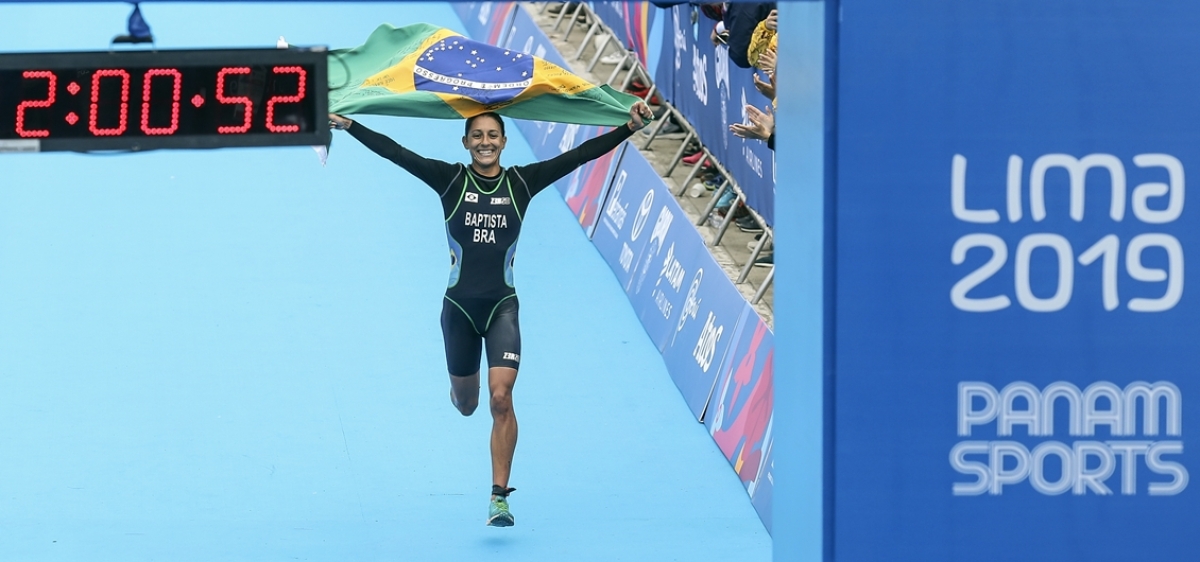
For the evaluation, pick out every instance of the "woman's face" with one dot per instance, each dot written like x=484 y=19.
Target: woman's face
x=485 y=141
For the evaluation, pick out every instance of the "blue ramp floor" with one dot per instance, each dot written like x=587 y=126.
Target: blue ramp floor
x=235 y=354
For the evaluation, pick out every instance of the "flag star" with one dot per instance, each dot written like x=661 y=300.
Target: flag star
x=524 y=74
x=474 y=52
x=506 y=53
x=498 y=69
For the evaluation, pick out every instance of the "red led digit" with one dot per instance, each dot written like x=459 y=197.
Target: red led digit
x=285 y=99
x=46 y=74
x=150 y=74
x=124 y=123
x=245 y=126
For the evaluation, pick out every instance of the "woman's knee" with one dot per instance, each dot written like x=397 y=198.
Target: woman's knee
x=501 y=402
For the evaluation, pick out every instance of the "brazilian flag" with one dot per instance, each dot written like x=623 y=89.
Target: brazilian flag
x=422 y=70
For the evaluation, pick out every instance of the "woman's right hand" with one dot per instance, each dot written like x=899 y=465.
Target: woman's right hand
x=338 y=122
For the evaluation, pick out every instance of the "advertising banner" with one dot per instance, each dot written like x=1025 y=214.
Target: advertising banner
x=626 y=222
x=741 y=411
x=684 y=299
x=1016 y=342
x=487 y=21
x=712 y=93
x=524 y=35
x=657 y=290
x=700 y=330
x=585 y=187
x=630 y=23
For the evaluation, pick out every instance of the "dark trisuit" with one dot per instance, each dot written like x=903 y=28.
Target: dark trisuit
x=483 y=220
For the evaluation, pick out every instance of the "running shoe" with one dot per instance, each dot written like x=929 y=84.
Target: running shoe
x=694 y=157
x=613 y=58
x=748 y=224
x=498 y=514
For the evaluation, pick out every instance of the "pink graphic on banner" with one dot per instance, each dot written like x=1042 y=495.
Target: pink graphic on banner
x=585 y=198
x=637 y=27
x=745 y=405
x=630 y=23
x=501 y=18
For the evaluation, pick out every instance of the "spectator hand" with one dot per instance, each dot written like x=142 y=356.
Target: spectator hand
x=773 y=21
x=762 y=124
x=766 y=61
x=765 y=88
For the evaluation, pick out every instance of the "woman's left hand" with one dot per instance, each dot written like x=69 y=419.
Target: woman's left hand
x=639 y=115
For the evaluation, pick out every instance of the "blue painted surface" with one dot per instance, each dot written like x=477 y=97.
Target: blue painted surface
x=801 y=386
x=996 y=90
x=235 y=354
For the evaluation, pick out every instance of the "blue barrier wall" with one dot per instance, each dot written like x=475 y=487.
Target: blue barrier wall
x=1011 y=337
x=807 y=97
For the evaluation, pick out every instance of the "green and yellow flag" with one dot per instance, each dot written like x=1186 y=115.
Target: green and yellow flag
x=422 y=70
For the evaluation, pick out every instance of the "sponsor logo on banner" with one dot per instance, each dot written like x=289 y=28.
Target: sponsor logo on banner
x=672 y=272
x=615 y=211
x=654 y=246
x=568 y=139
x=700 y=76
x=721 y=76
x=626 y=258
x=1153 y=203
x=643 y=213
x=710 y=335
x=681 y=43
x=1090 y=465
x=706 y=346
x=691 y=304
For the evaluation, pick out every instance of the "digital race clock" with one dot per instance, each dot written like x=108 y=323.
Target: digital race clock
x=143 y=100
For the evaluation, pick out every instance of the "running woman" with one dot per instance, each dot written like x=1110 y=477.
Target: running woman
x=483 y=204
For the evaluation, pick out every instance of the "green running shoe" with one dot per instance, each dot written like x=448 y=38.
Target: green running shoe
x=498 y=514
